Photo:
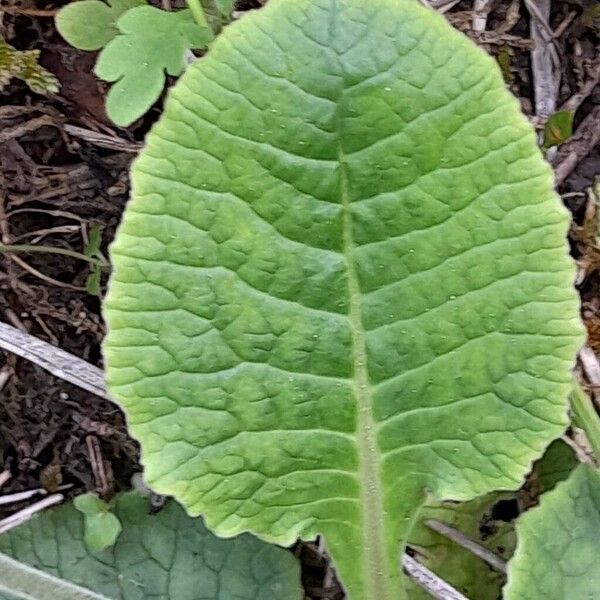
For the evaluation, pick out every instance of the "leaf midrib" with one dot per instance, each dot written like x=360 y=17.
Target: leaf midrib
x=373 y=550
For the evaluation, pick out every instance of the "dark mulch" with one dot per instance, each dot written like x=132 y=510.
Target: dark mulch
x=55 y=188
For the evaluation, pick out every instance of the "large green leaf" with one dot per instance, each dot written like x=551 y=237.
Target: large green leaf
x=341 y=284
x=166 y=556
x=557 y=552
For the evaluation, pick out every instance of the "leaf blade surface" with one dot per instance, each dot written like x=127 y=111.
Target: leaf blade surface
x=557 y=549
x=342 y=280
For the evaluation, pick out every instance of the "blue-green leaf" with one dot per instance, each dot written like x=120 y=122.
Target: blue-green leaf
x=166 y=556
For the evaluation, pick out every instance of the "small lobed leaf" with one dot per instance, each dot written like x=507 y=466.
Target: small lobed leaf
x=23 y=64
x=166 y=556
x=557 y=552
x=91 y=24
x=151 y=44
x=346 y=266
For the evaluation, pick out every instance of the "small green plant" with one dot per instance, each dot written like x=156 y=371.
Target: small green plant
x=91 y=254
x=101 y=526
x=140 y=45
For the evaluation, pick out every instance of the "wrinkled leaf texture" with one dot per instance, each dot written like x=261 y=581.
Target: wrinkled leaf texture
x=341 y=286
x=557 y=551
x=166 y=556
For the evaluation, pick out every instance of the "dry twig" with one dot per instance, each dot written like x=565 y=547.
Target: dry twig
x=481 y=10
x=584 y=455
x=98 y=465
x=102 y=140
x=64 y=365
x=590 y=365
x=21 y=516
x=422 y=576
x=25 y=495
x=466 y=542
x=543 y=59
x=5 y=373
x=9 y=133
x=4 y=477
x=27 y=267
x=577 y=99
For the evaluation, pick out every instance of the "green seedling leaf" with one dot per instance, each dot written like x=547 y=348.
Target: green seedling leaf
x=557 y=552
x=166 y=556
x=23 y=65
x=90 y=505
x=152 y=43
x=92 y=248
x=558 y=128
x=346 y=266
x=91 y=24
x=93 y=281
x=504 y=62
x=101 y=527
x=101 y=531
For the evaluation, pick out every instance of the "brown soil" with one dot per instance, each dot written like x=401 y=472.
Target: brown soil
x=55 y=188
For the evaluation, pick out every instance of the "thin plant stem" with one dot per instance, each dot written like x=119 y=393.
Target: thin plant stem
x=198 y=12
x=587 y=417
x=22 y=248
